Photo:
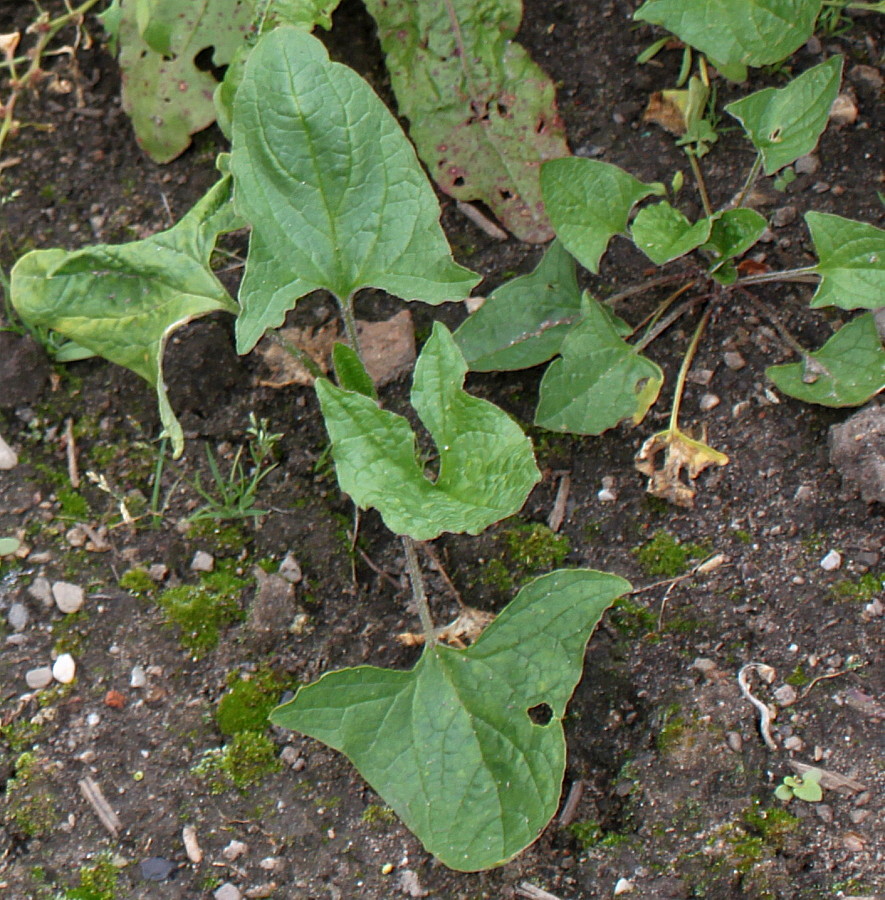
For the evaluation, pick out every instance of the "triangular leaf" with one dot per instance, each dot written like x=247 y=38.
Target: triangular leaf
x=599 y=381
x=450 y=745
x=851 y=262
x=481 y=113
x=785 y=123
x=332 y=188
x=750 y=32
x=847 y=371
x=663 y=233
x=523 y=322
x=589 y=202
x=124 y=301
x=734 y=232
x=350 y=371
x=486 y=464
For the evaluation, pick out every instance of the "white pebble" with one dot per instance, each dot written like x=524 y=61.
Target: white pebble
x=606 y=496
x=708 y=402
x=68 y=597
x=734 y=360
x=794 y=742
x=18 y=617
x=234 y=850
x=38 y=678
x=202 y=561
x=64 y=669
x=93 y=719
x=40 y=589
x=832 y=561
x=138 y=677
x=8 y=459
x=785 y=695
x=624 y=886
x=191 y=845
x=228 y=891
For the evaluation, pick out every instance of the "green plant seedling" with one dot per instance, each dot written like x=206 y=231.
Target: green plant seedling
x=9 y=546
x=451 y=745
x=803 y=787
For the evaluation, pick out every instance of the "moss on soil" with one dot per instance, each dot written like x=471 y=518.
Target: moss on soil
x=248 y=702
x=665 y=555
x=240 y=764
x=30 y=803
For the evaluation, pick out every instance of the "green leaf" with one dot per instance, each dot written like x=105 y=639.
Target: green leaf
x=486 y=464
x=851 y=262
x=806 y=787
x=782 y=792
x=110 y=22
x=165 y=94
x=785 y=124
x=300 y=13
x=124 y=301
x=748 y=32
x=847 y=371
x=589 y=202
x=663 y=233
x=523 y=322
x=350 y=371
x=734 y=232
x=8 y=546
x=450 y=745
x=332 y=188
x=482 y=114
x=599 y=381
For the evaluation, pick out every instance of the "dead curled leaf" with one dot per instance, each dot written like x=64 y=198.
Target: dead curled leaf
x=667 y=109
x=8 y=44
x=464 y=630
x=681 y=452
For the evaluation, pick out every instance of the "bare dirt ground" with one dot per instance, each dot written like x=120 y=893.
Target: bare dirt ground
x=671 y=786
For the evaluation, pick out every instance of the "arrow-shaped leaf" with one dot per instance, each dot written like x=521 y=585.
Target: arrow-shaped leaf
x=450 y=745
x=523 y=322
x=847 y=371
x=486 y=464
x=589 y=202
x=749 y=32
x=785 y=123
x=663 y=233
x=599 y=379
x=332 y=188
x=124 y=301
x=851 y=262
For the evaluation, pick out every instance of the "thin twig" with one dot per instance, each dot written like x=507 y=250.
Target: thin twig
x=71 y=453
x=469 y=211
x=570 y=807
x=418 y=594
x=93 y=795
x=764 y=712
x=557 y=514
x=430 y=550
x=814 y=681
x=642 y=288
x=660 y=326
x=534 y=893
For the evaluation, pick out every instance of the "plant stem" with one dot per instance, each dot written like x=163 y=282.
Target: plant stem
x=699 y=179
x=684 y=369
x=779 y=326
x=418 y=594
x=353 y=339
x=751 y=180
x=659 y=325
x=806 y=275
x=297 y=353
x=641 y=288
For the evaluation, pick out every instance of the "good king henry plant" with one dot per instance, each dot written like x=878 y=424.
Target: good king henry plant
x=337 y=200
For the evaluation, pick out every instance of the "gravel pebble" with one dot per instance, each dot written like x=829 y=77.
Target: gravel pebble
x=40 y=589
x=8 y=458
x=202 y=561
x=18 y=617
x=708 y=402
x=137 y=677
x=228 y=891
x=624 y=886
x=832 y=561
x=785 y=695
x=735 y=741
x=64 y=669
x=734 y=360
x=234 y=850
x=784 y=216
x=38 y=678
x=794 y=743
x=69 y=598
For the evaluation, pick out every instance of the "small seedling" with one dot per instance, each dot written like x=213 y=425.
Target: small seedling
x=803 y=787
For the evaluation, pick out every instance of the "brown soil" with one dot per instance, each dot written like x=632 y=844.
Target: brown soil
x=677 y=784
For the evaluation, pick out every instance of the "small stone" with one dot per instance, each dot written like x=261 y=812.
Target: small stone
x=158 y=572
x=853 y=842
x=874 y=609
x=37 y=679
x=734 y=360
x=784 y=216
x=794 y=743
x=409 y=884
x=137 y=677
x=191 y=845
x=289 y=755
x=8 y=458
x=807 y=165
x=203 y=562
x=844 y=110
x=785 y=695
x=228 y=891
x=76 y=536
x=624 y=886
x=156 y=868
x=824 y=812
x=859 y=816
x=271 y=864
x=735 y=741
x=69 y=598
x=606 y=495
x=234 y=850
x=40 y=589
x=867 y=76
x=708 y=402
x=705 y=666
x=803 y=493
x=18 y=617
x=262 y=891
x=93 y=719
x=290 y=569
x=832 y=561
x=64 y=669
x=700 y=376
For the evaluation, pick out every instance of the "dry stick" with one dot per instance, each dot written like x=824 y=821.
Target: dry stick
x=71 y=452
x=764 y=713
x=642 y=288
x=469 y=211
x=430 y=550
x=557 y=514
x=534 y=893
x=814 y=681
x=660 y=325
x=93 y=795
x=418 y=594
x=570 y=807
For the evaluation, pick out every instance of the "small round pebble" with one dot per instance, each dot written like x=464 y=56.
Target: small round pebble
x=832 y=561
x=64 y=669
x=156 y=868
x=68 y=597
x=785 y=695
x=38 y=678
x=202 y=561
x=228 y=891
x=137 y=677
x=234 y=850
x=18 y=617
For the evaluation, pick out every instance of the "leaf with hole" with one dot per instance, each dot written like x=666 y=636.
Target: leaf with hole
x=847 y=371
x=589 y=202
x=599 y=380
x=481 y=113
x=851 y=262
x=736 y=32
x=451 y=745
x=523 y=322
x=332 y=188
x=486 y=464
x=663 y=233
x=785 y=123
x=734 y=231
x=124 y=301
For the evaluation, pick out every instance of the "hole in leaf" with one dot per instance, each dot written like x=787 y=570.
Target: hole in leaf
x=540 y=714
x=506 y=195
x=205 y=63
x=458 y=181
x=503 y=109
